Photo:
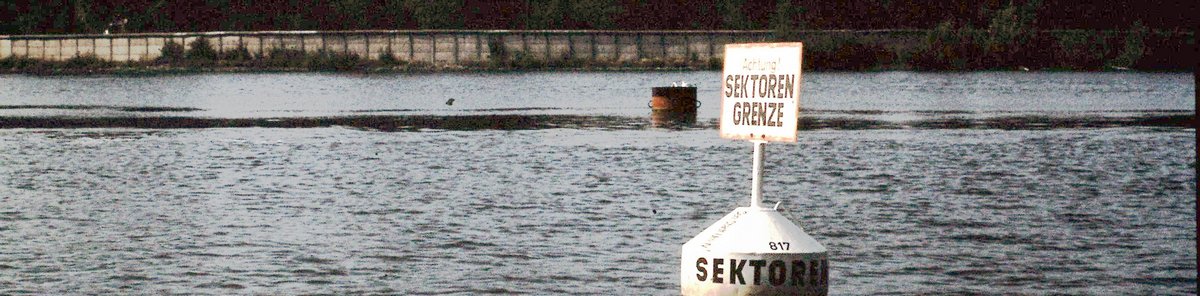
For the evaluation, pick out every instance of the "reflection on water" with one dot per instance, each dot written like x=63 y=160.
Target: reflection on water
x=673 y=119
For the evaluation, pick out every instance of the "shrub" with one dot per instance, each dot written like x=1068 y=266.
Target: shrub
x=19 y=63
x=1169 y=50
x=171 y=52
x=524 y=60
x=86 y=61
x=201 y=51
x=715 y=63
x=845 y=53
x=948 y=48
x=1134 y=47
x=238 y=56
x=1079 y=51
x=498 y=54
x=389 y=58
x=285 y=58
x=330 y=61
x=1006 y=36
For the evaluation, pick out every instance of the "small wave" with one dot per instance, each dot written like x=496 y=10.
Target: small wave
x=391 y=123
x=313 y=259
x=382 y=123
x=392 y=258
x=103 y=107
x=463 y=110
x=130 y=277
x=387 y=110
x=233 y=286
x=318 y=273
x=1038 y=122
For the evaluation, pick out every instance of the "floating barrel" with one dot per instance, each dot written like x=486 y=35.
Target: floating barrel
x=674 y=98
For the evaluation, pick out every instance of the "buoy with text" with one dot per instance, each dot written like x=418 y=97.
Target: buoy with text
x=755 y=250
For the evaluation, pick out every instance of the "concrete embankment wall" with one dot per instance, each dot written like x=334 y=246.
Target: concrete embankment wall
x=439 y=47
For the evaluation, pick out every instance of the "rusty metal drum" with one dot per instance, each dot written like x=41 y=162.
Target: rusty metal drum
x=674 y=98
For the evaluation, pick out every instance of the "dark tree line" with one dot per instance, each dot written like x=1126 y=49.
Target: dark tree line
x=77 y=16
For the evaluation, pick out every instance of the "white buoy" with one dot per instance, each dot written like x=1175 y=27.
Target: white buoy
x=754 y=251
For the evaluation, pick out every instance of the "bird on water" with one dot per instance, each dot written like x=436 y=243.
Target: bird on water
x=450 y=102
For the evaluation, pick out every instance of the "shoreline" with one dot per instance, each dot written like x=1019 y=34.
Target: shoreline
x=137 y=70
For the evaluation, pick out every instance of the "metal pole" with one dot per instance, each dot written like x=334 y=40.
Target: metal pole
x=524 y=44
x=570 y=45
x=638 y=45
x=662 y=44
x=687 y=48
x=756 y=187
x=616 y=47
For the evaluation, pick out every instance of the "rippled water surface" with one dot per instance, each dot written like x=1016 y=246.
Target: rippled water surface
x=593 y=199
x=602 y=93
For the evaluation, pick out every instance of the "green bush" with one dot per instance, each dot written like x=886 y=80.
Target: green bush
x=86 y=61
x=1169 y=51
x=1079 y=51
x=285 y=58
x=948 y=48
x=1135 y=46
x=498 y=54
x=1004 y=43
x=201 y=51
x=845 y=53
x=171 y=53
x=389 y=58
x=330 y=61
x=19 y=63
x=715 y=63
x=524 y=60
x=1011 y=40
x=237 y=56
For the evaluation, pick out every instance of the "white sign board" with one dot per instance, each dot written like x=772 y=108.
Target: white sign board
x=760 y=91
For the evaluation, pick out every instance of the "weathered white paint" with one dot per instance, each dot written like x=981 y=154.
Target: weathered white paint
x=760 y=91
x=721 y=259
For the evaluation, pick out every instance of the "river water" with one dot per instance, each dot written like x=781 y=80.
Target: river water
x=917 y=183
